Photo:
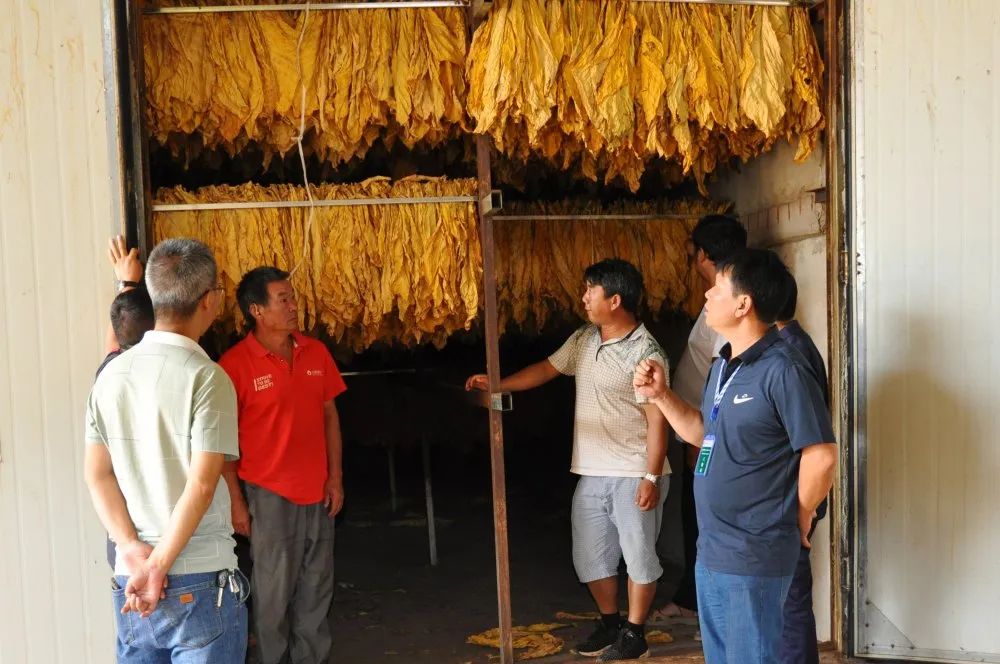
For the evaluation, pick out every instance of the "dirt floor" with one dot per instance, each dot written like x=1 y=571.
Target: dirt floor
x=391 y=605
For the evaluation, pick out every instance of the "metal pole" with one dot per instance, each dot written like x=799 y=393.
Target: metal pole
x=378 y=372
x=426 y=4
x=319 y=6
x=342 y=202
x=491 y=324
x=757 y=3
x=390 y=450
x=429 y=495
x=595 y=217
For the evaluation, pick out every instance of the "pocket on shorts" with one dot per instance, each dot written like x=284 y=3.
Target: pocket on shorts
x=189 y=617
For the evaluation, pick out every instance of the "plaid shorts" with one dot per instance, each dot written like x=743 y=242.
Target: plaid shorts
x=608 y=525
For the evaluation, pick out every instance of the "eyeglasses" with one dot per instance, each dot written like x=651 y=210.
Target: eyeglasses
x=219 y=287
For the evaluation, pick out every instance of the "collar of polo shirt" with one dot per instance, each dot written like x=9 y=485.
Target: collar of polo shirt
x=752 y=353
x=257 y=348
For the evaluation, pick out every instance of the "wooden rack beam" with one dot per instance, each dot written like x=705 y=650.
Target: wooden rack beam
x=595 y=217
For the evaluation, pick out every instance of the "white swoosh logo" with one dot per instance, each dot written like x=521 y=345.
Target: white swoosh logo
x=742 y=399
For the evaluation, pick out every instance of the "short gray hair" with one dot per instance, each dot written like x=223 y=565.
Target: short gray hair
x=178 y=274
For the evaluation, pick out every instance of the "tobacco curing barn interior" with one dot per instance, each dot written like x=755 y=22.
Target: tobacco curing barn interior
x=569 y=130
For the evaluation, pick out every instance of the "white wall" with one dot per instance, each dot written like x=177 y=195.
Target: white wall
x=55 y=216
x=928 y=209
x=773 y=196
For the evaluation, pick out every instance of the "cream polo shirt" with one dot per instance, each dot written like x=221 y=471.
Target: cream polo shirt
x=609 y=432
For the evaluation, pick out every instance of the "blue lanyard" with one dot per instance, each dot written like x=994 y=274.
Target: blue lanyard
x=720 y=389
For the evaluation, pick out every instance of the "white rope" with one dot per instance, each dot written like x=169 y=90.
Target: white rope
x=298 y=142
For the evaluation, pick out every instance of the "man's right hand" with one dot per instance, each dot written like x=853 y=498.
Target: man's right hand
x=479 y=382
x=145 y=589
x=134 y=554
x=650 y=380
x=241 y=517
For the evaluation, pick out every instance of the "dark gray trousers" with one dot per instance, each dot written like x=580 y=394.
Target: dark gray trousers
x=292 y=582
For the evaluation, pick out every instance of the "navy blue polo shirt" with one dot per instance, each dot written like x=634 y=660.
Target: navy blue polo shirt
x=748 y=501
x=799 y=339
x=793 y=335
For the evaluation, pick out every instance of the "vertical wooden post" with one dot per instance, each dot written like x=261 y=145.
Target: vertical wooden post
x=492 y=334
x=838 y=281
x=138 y=206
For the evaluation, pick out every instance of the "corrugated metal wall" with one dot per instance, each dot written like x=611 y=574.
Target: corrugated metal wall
x=55 y=287
x=928 y=222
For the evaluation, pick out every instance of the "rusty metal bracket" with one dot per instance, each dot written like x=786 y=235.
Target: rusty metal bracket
x=491 y=202
x=502 y=401
x=498 y=401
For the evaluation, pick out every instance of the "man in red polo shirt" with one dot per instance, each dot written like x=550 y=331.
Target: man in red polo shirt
x=290 y=465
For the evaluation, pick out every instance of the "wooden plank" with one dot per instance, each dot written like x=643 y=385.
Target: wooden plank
x=137 y=183
x=837 y=324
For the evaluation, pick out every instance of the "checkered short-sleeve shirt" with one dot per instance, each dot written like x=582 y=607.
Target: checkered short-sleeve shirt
x=609 y=432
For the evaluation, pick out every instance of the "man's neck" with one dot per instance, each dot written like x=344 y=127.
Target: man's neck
x=278 y=342
x=187 y=328
x=618 y=328
x=744 y=336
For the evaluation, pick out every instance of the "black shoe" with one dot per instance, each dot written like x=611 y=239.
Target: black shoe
x=628 y=646
x=603 y=638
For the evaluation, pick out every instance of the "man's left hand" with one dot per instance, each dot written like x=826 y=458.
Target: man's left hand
x=145 y=589
x=333 y=495
x=647 y=496
x=124 y=261
x=806 y=518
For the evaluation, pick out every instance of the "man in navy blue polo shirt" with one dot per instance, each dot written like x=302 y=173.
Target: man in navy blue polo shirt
x=766 y=460
x=798 y=643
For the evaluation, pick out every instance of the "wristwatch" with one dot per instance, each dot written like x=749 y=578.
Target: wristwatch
x=123 y=284
x=655 y=479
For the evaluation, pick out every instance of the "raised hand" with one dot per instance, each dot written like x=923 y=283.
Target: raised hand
x=124 y=261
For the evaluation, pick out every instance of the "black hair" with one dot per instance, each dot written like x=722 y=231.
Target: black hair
x=787 y=312
x=617 y=277
x=252 y=289
x=131 y=316
x=719 y=236
x=760 y=274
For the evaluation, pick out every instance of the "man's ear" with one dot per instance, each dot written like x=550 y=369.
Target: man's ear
x=744 y=306
x=616 y=301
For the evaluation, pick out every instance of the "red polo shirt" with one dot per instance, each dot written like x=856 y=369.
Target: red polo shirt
x=282 y=430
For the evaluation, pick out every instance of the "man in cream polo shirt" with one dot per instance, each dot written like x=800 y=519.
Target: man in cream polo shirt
x=619 y=452
x=160 y=423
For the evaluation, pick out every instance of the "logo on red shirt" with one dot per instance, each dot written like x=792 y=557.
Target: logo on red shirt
x=314 y=372
x=261 y=383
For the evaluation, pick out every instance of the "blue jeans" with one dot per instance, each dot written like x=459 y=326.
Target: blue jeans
x=740 y=616
x=188 y=626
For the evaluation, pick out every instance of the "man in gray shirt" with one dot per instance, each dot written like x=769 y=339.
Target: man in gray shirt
x=160 y=424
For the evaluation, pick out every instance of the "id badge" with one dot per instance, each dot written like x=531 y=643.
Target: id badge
x=704 y=456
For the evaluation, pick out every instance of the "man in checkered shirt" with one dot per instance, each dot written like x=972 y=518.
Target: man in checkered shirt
x=619 y=452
